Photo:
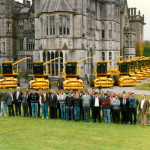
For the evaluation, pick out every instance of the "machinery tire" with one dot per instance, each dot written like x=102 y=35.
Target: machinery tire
x=116 y=80
x=92 y=81
x=113 y=80
x=60 y=83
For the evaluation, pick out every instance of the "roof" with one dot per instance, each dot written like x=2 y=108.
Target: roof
x=24 y=10
x=57 y=6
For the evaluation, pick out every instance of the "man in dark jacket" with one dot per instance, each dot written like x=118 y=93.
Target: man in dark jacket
x=9 y=99
x=34 y=99
x=124 y=109
x=52 y=102
x=17 y=100
x=69 y=102
x=96 y=104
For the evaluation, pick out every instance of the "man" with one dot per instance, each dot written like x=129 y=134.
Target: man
x=133 y=104
x=17 y=101
x=124 y=109
x=58 y=104
x=143 y=110
x=69 y=103
x=29 y=103
x=96 y=104
x=52 y=102
x=3 y=102
x=61 y=99
x=128 y=96
x=34 y=100
x=86 y=99
x=25 y=100
x=10 y=99
x=106 y=107
x=44 y=103
x=40 y=93
x=116 y=109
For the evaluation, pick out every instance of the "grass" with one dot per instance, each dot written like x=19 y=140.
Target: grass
x=20 y=133
x=145 y=86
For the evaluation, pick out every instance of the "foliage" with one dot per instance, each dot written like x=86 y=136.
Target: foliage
x=147 y=51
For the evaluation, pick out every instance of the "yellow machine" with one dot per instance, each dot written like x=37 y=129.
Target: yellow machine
x=144 y=61
x=10 y=74
x=121 y=74
x=71 y=76
x=39 y=79
x=101 y=76
x=136 y=62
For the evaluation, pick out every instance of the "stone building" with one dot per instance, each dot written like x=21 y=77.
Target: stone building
x=72 y=29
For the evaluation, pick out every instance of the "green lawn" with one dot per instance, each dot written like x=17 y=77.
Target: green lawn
x=145 y=86
x=28 y=134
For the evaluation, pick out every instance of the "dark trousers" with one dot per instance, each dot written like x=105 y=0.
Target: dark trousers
x=132 y=111
x=81 y=113
x=96 y=113
x=59 y=111
x=86 y=110
x=30 y=109
x=39 y=109
x=25 y=109
x=18 y=109
x=124 y=116
x=53 y=112
x=11 y=110
x=116 y=116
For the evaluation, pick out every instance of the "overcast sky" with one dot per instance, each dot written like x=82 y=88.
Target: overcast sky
x=144 y=6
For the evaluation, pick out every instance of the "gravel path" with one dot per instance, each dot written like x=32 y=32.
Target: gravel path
x=116 y=88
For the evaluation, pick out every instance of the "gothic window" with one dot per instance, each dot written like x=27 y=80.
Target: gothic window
x=44 y=57
x=20 y=44
x=20 y=24
x=47 y=25
x=110 y=55
x=8 y=26
x=3 y=47
x=103 y=30
x=30 y=43
x=103 y=56
x=110 y=30
x=109 y=11
x=2 y=8
x=61 y=62
x=56 y=63
x=130 y=40
x=41 y=27
x=64 y=25
x=52 y=25
x=48 y=59
x=115 y=31
x=53 y=70
x=29 y=64
x=32 y=24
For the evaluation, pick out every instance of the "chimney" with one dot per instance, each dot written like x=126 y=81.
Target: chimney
x=24 y=2
x=28 y=4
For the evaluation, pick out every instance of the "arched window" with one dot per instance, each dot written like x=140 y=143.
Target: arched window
x=48 y=59
x=56 y=63
x=103 y=56
x=110 y=55
x=47 y=25
x=52 y=57
x=44 y=56
x=61 y=62
x=103 y=30
x=110 y=30
x=115 y=31
x=41 y=27
x=109 y=12
x=68 y=26
x=52 y=25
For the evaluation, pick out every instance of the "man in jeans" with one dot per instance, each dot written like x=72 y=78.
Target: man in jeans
x=86 y=99
x=61 y=99
x=3 y=102
x=106 y=107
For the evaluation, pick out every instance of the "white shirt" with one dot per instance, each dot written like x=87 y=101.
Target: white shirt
x=96 y=102
x=11 y=94
x=142 y=103
x=17 y=96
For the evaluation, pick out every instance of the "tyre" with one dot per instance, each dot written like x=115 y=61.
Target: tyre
x=116 y=80
x=60 y=83
x=113 y=80
x=92 y=81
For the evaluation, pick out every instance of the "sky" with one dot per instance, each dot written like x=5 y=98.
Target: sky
x=144 y=7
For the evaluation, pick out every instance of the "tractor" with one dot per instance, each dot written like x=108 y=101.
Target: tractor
x=39 y=78
x=101 y=76
x=10 y=75
x=121 y=74
x=70 y=77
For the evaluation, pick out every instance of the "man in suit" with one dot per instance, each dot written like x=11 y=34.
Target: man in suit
x=10 y=100
x=96 y=104
x=124 y=109
x=143 y=110
x=52 y=102
x=17 y=100
x=133 y=104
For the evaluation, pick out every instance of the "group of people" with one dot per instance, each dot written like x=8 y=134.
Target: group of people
x=76 y=106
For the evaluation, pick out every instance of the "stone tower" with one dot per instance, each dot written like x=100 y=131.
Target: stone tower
x=137 y=22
